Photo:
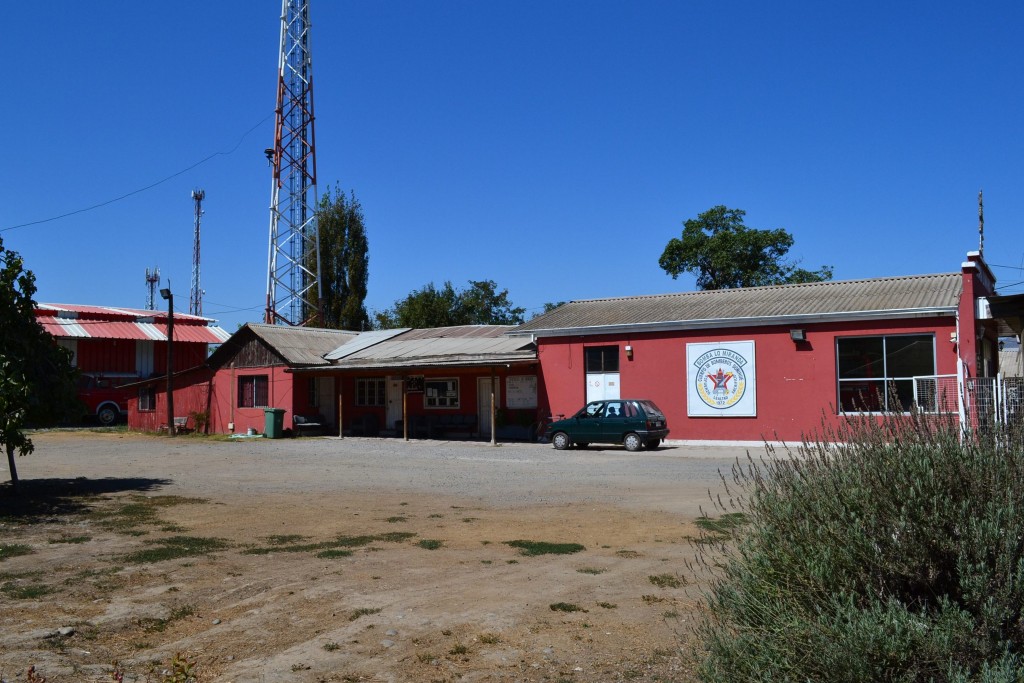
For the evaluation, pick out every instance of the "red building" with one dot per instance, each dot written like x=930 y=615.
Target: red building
x=115 y=346
x=449 y=381
x=771 y=363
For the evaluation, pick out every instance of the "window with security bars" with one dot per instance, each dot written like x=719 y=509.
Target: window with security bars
x=602 y=358
x=252 y=391
x=370 y=391
x=877 y=373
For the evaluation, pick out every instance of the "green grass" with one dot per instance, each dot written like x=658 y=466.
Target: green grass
x=532 y=548
x=591 y=570
x=334 y=553
x=362 y=612
x=285 y=539
x=70 y=539
x=430 y=543
x=139 y=511
x=396 y=519
x=667 y=581
x=565 y=607
x=176 y=547
x=8 y=550
x=287 y=544
x=29 y=592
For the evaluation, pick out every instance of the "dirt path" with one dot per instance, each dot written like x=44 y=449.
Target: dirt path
x=350 y=560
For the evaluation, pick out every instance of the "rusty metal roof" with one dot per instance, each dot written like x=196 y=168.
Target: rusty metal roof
x=301 y=345
x=438 y=346
x=890 y=297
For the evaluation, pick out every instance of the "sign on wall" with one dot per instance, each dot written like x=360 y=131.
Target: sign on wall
x=721 y=379
x=521 y=391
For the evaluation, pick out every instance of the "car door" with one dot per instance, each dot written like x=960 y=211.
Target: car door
x=612 y=425
x=588 y=423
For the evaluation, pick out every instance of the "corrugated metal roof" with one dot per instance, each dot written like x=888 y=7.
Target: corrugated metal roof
x=85 y=311
x=115 y=329
x=845 y=299
x=301 y=345
x=440 y=346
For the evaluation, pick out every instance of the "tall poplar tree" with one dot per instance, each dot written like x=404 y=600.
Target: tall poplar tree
x=344 y=262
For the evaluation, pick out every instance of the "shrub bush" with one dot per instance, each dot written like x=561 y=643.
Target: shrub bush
x=886 y=551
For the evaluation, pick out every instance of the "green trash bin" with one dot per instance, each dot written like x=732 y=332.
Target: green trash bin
x=273 y=427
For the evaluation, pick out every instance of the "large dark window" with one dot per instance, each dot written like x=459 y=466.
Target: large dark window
x=252 y=391
x=602 y=358
x=876 y=373
x=441 y=393
x=370 y=391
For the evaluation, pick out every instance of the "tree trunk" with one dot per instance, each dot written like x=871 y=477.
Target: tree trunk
x=12 y=466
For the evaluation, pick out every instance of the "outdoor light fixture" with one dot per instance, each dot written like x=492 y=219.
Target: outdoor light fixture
x=165 y=293
x=629 y=352
x=798 y=335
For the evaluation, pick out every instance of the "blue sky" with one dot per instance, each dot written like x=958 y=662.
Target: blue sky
x=554 y=147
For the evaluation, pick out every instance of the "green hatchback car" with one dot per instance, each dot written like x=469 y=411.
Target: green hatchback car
x=635 y=423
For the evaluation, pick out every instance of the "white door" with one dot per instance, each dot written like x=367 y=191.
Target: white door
x=483 y=403
x=394 y=412
x=602 y=386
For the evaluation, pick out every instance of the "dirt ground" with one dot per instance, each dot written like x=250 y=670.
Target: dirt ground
x=324 y=559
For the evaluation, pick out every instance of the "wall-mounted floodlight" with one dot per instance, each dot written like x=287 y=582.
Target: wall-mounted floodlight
x=798 y=335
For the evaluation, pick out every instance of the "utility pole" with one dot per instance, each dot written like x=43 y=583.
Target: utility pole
x=169 y=296
x=195 y=300
x=293 y=285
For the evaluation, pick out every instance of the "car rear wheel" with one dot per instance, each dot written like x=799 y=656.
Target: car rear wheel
x=561 y=441
x=107 y=416
x=653 y=444
x=633 y=442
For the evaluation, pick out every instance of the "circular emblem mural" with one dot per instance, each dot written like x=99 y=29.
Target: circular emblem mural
x=720 y=380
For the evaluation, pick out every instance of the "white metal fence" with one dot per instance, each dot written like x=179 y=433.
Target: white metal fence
x=980 y=401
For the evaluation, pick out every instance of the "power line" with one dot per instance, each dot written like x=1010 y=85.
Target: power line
x=142 y=189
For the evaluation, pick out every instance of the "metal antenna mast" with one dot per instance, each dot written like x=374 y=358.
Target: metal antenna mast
x=151 y=281
x=195 y=300
x=293 y=289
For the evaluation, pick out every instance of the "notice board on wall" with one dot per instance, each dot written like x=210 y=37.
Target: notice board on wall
x=521 y=391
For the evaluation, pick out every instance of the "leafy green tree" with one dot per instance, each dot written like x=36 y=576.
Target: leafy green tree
x=724 y=253
x=37 y=382
x=480 y=304
x=344 y=262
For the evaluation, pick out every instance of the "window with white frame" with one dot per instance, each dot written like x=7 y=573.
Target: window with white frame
x=876 y=373
x=252 y=391
x=370 y=391
x=441 y=393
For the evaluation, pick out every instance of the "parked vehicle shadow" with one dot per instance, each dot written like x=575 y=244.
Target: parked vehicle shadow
x=37 y=500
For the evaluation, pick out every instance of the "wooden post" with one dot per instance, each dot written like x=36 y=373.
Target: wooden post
x=341 y=412
x=494 y=412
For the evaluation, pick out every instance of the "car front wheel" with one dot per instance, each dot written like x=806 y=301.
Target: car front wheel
x=561 y=441
x=633 y=442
